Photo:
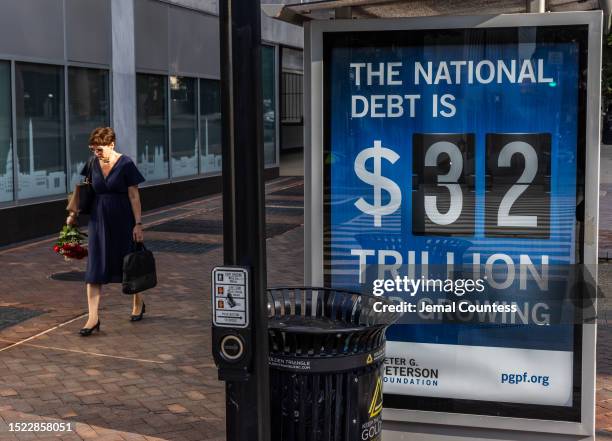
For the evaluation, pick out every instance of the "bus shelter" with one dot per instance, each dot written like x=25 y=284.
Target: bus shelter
x=435 y=135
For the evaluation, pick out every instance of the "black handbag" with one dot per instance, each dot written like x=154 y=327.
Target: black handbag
x=85 y=191
x=139 y=270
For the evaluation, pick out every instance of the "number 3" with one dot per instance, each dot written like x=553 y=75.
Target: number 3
x=448 y=180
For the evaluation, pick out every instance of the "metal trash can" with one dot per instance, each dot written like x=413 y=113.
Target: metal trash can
x=327 y=349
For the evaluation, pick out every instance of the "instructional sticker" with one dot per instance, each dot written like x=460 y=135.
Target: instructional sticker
x=229 y=297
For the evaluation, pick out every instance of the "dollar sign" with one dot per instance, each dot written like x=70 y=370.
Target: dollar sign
x=378 y=181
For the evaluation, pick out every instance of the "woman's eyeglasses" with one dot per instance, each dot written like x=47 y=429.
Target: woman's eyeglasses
x=96 y=149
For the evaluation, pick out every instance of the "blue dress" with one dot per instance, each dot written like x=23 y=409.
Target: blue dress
x=111 y=222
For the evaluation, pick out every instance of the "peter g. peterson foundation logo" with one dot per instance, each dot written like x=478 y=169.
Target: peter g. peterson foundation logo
x=404 y=370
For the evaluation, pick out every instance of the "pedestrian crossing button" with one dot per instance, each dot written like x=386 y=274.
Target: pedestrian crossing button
x=232 y=347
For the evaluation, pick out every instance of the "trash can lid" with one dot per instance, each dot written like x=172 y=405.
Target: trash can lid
x=315 y=325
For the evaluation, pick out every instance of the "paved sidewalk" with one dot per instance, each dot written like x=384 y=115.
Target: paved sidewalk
x=152 y=380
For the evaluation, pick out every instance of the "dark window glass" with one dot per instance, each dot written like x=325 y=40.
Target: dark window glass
x=6 y=151
x=41 y=154
x=210 y=126
x=269 y=104
x=152 y=126
x=291 y=90
x=184 y=126
x=291 y=98
x=88 y=98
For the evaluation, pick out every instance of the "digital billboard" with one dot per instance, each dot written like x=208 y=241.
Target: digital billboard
x=455 y=146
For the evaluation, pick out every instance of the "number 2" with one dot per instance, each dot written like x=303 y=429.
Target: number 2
x=504 y=218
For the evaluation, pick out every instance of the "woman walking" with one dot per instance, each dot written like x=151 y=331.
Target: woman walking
x=114 y=224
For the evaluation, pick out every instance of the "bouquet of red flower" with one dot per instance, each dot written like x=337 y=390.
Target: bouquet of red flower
x=70 y=243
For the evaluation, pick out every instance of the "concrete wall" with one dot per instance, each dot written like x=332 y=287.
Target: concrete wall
x=176 y=41
x=210 y=6
x=272 y=31
x=275 y=31
x=123 y=72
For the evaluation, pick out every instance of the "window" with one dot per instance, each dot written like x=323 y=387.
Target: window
x=184 y=126
x=41 y=154
x=210 y=126
x=291 y=90
x=6 y=151
x=291 y=98
x=269 y=104
x=88 y=98
x=152 y=129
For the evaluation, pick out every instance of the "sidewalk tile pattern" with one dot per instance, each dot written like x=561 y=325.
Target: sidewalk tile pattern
x=155 y=380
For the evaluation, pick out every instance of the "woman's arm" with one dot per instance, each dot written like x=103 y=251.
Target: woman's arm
x=136 y=209
x=73 y=208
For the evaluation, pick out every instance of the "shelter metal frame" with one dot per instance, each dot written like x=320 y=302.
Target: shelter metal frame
x=314 y=190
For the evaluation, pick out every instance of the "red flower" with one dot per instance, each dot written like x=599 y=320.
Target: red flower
x=69 y=243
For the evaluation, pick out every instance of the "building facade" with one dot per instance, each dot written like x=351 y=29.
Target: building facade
x=149 y=68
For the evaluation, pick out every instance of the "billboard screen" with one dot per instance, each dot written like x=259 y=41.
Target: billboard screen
x=460 y=146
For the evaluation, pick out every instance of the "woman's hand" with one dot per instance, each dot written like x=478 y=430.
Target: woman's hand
x=136 y=210
x=71 y=219
x=137 y=234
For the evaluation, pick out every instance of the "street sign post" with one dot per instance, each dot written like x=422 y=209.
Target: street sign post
x=240 y=328
x=457 y=140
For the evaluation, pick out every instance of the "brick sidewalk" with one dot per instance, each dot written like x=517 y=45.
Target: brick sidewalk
x=152 y=380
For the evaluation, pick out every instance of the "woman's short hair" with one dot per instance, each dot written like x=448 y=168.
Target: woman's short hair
x=101 y=136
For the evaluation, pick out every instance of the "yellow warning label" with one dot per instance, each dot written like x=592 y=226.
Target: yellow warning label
x=377 y=403
x=369 y=359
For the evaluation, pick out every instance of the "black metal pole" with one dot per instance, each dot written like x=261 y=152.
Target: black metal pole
x=247 y=402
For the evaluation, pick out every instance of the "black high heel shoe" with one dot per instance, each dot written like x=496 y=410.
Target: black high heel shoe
x=86 y=332
x=137 y=318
